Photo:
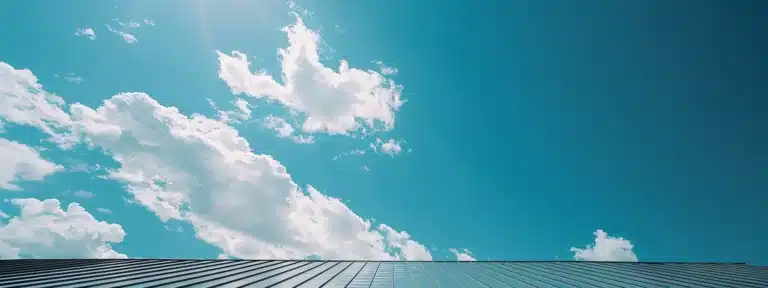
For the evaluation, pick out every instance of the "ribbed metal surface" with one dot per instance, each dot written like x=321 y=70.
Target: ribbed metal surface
x=369 y=274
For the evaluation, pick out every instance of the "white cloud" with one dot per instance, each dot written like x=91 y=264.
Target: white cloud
x=23 y=101
x=243 y=107
x=402 y=241
x=172 y=164
x=279 y=125
x=358 y=152
x=285 y=130
x=134 y=24
x=336 y=102
x=464 y=255
x=104 y=210
x=127 y=37
x=129 y=24
x=80 y=167
x=386 y=70
x=86 y=32
x=241 y=112
x=22 y=163
x=200 y=170
x=606 y=248
x=173 y=229
x=354 y=152
x=83 y=194
x=72 y=78
x=44 y=230
x=390 y=147
x=2 y=127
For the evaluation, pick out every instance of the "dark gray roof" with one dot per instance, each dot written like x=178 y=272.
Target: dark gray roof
x=279 y=273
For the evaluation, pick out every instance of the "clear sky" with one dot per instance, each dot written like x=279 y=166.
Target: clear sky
x=517 y=130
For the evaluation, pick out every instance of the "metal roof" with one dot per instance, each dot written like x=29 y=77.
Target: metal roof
x=295 y=273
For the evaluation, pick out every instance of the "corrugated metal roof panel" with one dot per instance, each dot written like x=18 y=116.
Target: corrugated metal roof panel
x=370 y=274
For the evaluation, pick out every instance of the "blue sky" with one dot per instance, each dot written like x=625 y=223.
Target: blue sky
x=521 y=130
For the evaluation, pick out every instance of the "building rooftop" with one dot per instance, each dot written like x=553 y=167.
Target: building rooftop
x=294 y=273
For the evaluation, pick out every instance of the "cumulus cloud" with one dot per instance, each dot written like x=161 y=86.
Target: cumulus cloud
x=285 y=130
x=24 y=102
x=22 y=163
x=44 y=230
x=86 y=32
x=333 y=101
x=127 y=37
x=199 y=170
x=389 y=147
x=606 y=248
x=463 y=255
x=173 y=164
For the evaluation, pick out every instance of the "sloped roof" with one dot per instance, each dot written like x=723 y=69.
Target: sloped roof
x=290 y=273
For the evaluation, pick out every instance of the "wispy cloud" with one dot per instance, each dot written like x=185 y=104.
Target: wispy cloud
x=104 y=210
x=285 y=130
x=71 y=78
x=86 y=32
x=390 y=147
x=129 y=24
x=355 y=152
x=127 y=37
x=463 y=255
x=241 y=112
x=74 y=79
x=83 y=194
x=134 y=24
x=386 y=70
x=80 y=167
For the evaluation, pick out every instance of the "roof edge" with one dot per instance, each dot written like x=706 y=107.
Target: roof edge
x=403 y=261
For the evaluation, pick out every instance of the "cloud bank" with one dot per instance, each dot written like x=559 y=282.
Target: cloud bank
x=200 y=170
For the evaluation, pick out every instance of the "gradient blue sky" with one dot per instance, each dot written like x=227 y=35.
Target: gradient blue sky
x=527 y=126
